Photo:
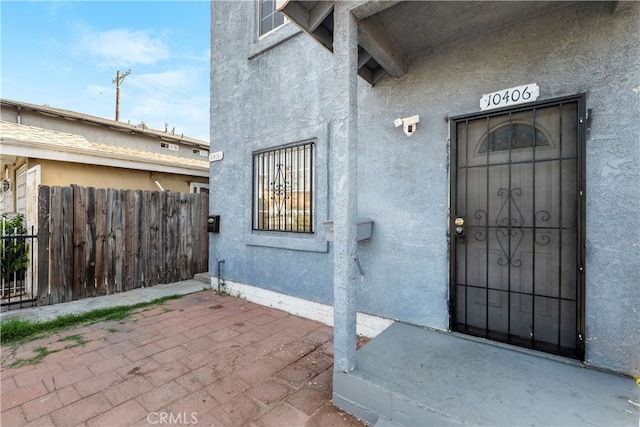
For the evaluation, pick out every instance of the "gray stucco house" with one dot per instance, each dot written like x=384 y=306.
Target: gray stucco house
x=471 y=168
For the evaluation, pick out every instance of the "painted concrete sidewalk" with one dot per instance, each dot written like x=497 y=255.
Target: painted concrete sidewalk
x=134 y=296
x=204 y=359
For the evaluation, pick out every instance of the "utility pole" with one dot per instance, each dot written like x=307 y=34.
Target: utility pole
x=119 y=78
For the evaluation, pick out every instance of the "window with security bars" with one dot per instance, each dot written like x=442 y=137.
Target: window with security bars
x=283 y=188
x=270 y=18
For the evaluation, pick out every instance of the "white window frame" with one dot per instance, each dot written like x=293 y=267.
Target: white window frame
x=262 y=43
x=196 y=187
x=260 y=18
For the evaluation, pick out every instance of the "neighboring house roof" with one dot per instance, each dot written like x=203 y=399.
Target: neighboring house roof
x=29 y=141
x=112 y=124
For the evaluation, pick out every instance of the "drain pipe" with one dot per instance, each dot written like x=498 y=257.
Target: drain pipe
x=219 y=279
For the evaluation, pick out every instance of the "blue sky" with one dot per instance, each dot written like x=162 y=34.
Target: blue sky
x=65 y=54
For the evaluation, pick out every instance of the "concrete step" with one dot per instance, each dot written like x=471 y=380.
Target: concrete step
x=383 y=406
x=415 y=376
x=383 y=422
x=203 y=277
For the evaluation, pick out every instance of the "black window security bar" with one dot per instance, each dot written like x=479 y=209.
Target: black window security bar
x=283 y=188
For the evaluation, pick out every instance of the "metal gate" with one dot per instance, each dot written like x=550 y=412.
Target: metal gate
x=17 y=266
x=517 y=225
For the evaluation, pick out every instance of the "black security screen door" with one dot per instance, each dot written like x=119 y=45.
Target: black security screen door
x=517 y=225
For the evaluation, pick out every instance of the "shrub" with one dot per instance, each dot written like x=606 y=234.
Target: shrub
x=14 y=251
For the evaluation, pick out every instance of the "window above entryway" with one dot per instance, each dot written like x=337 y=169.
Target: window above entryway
x=269 y=17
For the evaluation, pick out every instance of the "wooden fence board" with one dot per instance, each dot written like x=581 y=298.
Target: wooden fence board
x=57 y=290
x=204 y=246
x=110 y=246
x=152 y=224
x=184 y=236
x=193 y=242
x=78 y=290
x=119 y=227
x=101 y=240
x=136 y=239
x=90 y=242
x=129 y=219
x=172 y=243
x=44 y=195
x=162 y=238
x=67 y=243
x=144 y=239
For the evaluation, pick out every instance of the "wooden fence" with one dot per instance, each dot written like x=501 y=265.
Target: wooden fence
x=95 y=242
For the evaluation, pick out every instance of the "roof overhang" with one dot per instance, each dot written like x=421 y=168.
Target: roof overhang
x=391 y=33
x=113 y=160
x=48 y=111
x=26 y=141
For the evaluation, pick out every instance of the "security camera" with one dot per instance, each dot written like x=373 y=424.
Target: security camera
x=409 y=124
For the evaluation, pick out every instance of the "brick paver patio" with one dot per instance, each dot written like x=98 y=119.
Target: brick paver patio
x=204 y=360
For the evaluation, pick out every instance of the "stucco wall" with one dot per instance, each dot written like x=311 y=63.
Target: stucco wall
x=257 y=104
x=285 y=93
x=64 y=174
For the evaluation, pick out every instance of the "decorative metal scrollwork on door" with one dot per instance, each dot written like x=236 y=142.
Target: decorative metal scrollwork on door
x=510 y=227
x=510 y=222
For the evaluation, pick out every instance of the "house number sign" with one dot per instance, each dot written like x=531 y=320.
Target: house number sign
x=216 y=157
x=507 y=97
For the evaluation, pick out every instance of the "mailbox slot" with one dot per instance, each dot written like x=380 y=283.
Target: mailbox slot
x=363 y=230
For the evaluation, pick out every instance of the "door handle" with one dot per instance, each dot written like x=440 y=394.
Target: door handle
x=459 y=226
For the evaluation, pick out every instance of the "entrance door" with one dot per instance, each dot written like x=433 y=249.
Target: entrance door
x=517 y=226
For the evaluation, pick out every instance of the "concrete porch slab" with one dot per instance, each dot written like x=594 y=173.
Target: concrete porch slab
x=413 y=376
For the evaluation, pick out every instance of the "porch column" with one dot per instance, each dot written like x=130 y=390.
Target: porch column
x=344 y=163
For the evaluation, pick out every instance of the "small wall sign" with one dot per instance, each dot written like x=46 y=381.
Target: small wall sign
x=512 y=96
x=216 y=157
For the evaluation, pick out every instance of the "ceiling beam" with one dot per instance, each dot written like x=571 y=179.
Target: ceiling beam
x=363 y=58
x=324 y=36
x=309 y=21
x=365 y=9
x=320 y=11
x=382 y=48
x=295 y=12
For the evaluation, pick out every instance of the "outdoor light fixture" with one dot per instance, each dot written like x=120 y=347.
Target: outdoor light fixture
x=409 y=124
x=4 y=186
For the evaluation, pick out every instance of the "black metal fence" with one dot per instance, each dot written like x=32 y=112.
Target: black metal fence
x=18 y=267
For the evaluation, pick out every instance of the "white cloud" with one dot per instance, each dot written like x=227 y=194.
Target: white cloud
x=204 y=57
x=123 y=46
x=187 y=116
x=98 y=90
x=167 y=80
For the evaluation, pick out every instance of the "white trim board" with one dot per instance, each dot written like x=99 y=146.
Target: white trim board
x=367 y=324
